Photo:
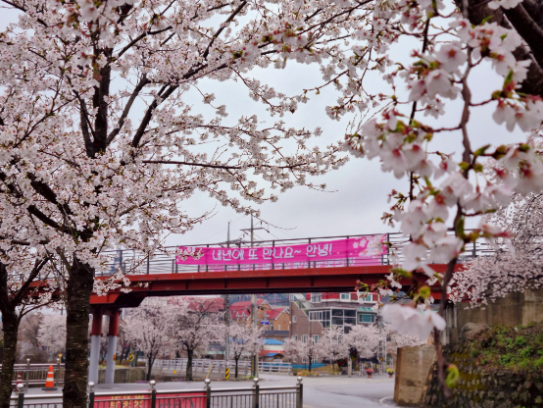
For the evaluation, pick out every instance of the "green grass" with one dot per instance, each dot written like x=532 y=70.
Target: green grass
x=517 y=348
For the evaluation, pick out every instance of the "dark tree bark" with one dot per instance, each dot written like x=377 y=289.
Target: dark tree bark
x=9 y=302
x=78 y=292
x=188 y=375
x=10 y=322
x=527 y=19
x=149 y=367
x=236 y=373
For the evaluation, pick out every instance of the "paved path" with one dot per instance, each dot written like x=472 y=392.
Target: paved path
x=319 y=392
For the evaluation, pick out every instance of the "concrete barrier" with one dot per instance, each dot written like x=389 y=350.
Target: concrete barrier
x=412 y=369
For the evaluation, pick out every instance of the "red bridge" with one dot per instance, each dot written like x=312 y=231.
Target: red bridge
x=165 y=274
x=327 y=264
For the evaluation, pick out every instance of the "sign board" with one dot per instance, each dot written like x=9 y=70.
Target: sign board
x=177 y=400
x=226 y=373
x=131 y=357
x=264 y=322
x=366 y=250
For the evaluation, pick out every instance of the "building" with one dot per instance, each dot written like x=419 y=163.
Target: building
x=312 y=314
x=274 y=321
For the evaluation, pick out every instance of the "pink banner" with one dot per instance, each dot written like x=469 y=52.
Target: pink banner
x=362 y=250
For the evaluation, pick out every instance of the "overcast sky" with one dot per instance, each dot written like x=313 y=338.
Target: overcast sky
x=358 y=191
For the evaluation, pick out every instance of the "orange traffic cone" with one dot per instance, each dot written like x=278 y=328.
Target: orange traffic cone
x=50 y=382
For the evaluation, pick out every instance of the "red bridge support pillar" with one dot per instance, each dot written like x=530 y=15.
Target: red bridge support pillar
x=96 y=333
x=112 y=345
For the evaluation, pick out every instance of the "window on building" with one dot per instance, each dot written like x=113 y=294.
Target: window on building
x=278 y=326
x=322 y=316
x=294 y=319
x=316 y=297
x=345 y=296
x=337 y=317
x=316 y=338
x=295 y=337
x=366 y=318
x=304 y=338
x=304 y=360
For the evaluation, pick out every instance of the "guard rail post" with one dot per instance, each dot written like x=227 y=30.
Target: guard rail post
x=20 y=395
x=256 y=393
x=299 y=394
x=58 y=371
x=153 y=393
x=27 y=374
x=207 y=381
x=91 y=394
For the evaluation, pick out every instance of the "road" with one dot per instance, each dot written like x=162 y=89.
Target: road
x=319 y=392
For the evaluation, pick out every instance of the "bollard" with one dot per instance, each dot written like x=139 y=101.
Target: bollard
x=153 y=393
x=91 y=394
x=20 y=395
x=300 y=394
x=27 y=376
x=256 y=393
x=207 y=382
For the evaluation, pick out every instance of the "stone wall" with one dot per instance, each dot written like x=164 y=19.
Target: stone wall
x=484 y=389
x=514 y=309
x=412 y=367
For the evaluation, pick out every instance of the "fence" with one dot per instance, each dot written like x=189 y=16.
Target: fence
x=218 y=366
x=247 y=397
x=135 y=262
x=32 y=374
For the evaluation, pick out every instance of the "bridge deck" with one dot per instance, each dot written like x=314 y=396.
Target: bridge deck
x=340 y=279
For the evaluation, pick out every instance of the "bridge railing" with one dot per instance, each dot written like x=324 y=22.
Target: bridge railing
x=164 y=261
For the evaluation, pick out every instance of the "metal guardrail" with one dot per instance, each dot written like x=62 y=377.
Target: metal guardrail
x=36 y=373
x=240 y=397
x=218 y=366
x=132 y=261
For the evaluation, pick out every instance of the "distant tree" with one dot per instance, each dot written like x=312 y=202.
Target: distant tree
x=193 y=324
x=516 y=264
x=334 y=345
x=396 y=341
x=52 y=333
x=308 y=350
x=244 y=341
x=147 y=327
x=365 y=339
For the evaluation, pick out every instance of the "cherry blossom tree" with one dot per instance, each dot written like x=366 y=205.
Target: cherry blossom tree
x=193 y=325
x=244 y=341
x=52 y=332
x=396 y=340
x=19 y=269
x=334 y=344
x=365 y=339
x=307 y=350
x=516 y=264
x=147 y=328
x=88 y=166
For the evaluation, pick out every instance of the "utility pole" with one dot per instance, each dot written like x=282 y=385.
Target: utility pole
x=227 y=311
x=253 y=296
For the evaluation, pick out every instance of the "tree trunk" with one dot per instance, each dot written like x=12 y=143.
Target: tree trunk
x=310 y=359
x=78 y=292
x=237 y=359
x=11 y=327
x=189 y=366
x=149 y=367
